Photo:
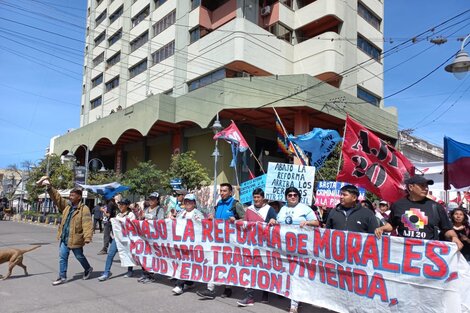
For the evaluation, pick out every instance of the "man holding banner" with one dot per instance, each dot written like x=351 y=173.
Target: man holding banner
x=350 y=215
x=259 y=211
x=417 y=216
x=228 y=208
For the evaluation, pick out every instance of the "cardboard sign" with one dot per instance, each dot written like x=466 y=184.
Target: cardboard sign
x=246 y=188
x=280 y=176
x=328 y=193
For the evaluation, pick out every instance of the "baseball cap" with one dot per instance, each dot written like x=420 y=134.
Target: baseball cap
x=419 y=179
x=154 y=195
x=190 y=197
x=125 y=201
x=181 y=191
x=383 y=202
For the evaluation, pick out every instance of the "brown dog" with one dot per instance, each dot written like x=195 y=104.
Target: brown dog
x=14 y=257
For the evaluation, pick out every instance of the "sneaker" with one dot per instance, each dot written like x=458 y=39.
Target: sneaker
x=147 y=280
x=102 y=252
x=177 y=290
x=264 y=297
x=293 y=310
x=128 y=275
x=87 y=273
x=227 y=293
x=104 y=277
x=59 y=281
x=248 y=301
x=206 y=294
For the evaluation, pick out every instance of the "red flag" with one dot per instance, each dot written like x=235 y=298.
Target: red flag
x=250 y=174
x=372 y=164
x=233 y=135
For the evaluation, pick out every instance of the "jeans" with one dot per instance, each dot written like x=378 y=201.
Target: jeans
x=100 y=224
x=109 y=260
x=64 y=252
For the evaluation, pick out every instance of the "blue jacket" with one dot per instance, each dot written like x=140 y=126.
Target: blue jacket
x=225 y=209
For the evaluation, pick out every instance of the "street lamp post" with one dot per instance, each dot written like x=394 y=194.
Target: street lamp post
x=216 y=127
x=461 y=64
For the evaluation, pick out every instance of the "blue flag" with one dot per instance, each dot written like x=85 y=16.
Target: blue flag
x=319 y=143
x=106 y=190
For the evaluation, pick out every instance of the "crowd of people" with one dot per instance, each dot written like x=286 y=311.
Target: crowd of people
x=430 y=220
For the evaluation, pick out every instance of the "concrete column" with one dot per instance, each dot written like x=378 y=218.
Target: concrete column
x=118 y=160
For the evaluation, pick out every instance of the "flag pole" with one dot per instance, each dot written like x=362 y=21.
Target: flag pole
x=285 y=132
x=342 y=144
x=253 y=155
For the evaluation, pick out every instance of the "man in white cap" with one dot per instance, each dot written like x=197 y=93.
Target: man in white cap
x=417 y=216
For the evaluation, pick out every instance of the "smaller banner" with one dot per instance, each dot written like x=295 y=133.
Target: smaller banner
x=328 y=193
x=282 y=175
x=246 y=188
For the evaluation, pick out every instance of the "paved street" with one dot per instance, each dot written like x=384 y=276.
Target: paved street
x=35 y=293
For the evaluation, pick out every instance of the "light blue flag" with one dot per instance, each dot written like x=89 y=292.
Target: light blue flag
x=319 y=143
x=106 y=190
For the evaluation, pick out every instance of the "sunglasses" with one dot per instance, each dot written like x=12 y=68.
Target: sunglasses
x=292 y=195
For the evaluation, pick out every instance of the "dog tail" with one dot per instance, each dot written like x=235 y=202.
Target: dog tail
x=30 y=249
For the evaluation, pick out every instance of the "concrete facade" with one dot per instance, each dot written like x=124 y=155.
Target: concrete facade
x=158 y=72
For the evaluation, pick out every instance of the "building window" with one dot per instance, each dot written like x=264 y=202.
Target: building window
x=115 y=37
x=164 y=23
x=159 y=3
x=98 y=59
x=113 y=60
x=95 y=103
x=368 y=48
x=138 y=68
x=304 y=3
x=281 y=32
x=100 y=18
x=139 y=41
x=98 y=2
x=139 y=17
x=113 y=83
x=197 y=33
x=207 y=79
x=100 y=38
x=367 y=96
x=195 y=4
x=163 y=53
x=116 y=14
x=96 y=81
x=368 y=15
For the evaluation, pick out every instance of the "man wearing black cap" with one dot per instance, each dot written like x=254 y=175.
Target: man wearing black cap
x=75 y=229
x=417 y=216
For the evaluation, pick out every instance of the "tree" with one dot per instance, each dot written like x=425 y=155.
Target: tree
x=183 y=165
x=61 y=176
x=99 y=178
x=144 y=179
x=330 y=167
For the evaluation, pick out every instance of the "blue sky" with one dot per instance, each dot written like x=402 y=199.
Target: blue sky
x=41 y=64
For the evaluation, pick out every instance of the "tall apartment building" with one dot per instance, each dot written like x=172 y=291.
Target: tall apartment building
x=144 y=47
x=168 y=67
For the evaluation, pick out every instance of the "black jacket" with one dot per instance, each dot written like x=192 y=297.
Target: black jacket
x=360 y=220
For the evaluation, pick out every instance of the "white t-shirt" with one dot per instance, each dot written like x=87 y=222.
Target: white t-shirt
x=195 y=214
x=295 y=215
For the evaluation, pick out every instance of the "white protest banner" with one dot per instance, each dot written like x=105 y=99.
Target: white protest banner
x=328 y=193
x=282 y=175
x=246 y=188
x=341 y=271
